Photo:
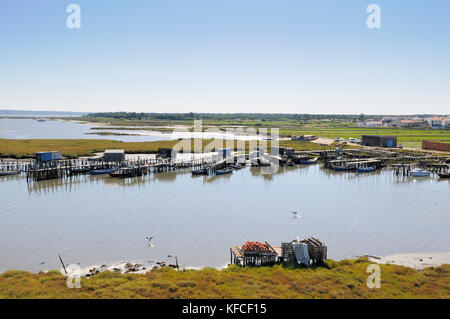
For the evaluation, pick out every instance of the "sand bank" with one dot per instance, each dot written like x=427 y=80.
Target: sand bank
x=417 y=261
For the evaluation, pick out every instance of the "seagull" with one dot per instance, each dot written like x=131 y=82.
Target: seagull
x=295 y=215
x=150 y=245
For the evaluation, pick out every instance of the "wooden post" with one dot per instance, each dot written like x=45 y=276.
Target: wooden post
x=60 y=259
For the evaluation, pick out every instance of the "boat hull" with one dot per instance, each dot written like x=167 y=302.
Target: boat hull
x=343 y=169
x=8 y=173
x=444 y=175
x=200 y=172
x=309 y=161
x=365 y=170
x=422 y=174
x=102 y=171
x=224 y=171
x=80 y=171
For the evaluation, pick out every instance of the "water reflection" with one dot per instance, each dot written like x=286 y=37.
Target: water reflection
x=99 y=219
x=70 y=183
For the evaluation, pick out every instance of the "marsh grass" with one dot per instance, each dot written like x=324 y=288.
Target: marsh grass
x=344 y=279
x=73 y=148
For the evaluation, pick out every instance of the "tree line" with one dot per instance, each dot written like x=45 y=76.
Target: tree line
x=226 y=116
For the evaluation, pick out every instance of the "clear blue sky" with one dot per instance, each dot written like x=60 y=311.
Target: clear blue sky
x=289 y=56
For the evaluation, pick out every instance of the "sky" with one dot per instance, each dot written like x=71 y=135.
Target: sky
x=217 y=56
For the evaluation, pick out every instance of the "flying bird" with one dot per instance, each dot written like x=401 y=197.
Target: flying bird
x=295 y=215
x=149 y=239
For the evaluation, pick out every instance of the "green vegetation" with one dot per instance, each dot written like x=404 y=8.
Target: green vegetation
x=223 y=116
x=85 y=147
x=344 y=279
x=407 y=137
x=329 y=126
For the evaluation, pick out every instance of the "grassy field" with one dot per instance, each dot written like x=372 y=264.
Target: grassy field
x=84 y=147
x=406 y=137
x=344 y=279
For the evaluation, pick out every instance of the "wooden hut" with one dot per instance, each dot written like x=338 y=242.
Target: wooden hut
x=257 y=257
x=316 y=249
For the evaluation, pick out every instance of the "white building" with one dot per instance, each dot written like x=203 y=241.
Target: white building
x=446 y=122
x=374 y=124
x=435 y=122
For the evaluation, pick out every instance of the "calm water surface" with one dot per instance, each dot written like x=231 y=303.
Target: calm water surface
x=32 y=129
x=95 y=220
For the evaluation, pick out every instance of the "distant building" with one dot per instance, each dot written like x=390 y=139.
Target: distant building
x=447 y=123
x=388 y=120
x=277 y=150
x=374 y=124
x=443 y=146
x=114 y=155
x=407 y=123
x=378 y=140
x=435 y=122
x=48 y=156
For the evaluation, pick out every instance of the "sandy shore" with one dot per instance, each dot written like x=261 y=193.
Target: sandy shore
x=417 y=261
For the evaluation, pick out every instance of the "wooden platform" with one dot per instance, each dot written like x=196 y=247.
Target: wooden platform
x=238 y=257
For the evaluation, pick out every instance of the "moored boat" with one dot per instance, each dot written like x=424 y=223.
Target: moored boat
x=309 y=161
x=417 y=172
x=343 y=168
x=236 y=166
x=365 y=169
x=202 y=171
x=444 y=175
x=224 y=171
x=79 y=170
x=102 y=171
x=8 y=173
x=122 y=173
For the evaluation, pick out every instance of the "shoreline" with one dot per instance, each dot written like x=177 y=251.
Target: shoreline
x=418 y=261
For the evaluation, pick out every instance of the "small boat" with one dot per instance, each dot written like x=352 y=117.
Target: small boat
x=365 y=169
x=236 y=166
x=102 y=171
x=40 y=120
x=202 y=171
x=224 y=171
x=8 y=173
x=343 y=168
x=417 y=172
x=444 y=175
x=124 y=173
x=291 y=163
x=308 y=161
x=79 y=170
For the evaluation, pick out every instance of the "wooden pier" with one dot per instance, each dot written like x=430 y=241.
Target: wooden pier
x=36 y=171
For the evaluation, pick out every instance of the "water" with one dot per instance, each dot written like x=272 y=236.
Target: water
x=32 y=129
x=95 y=220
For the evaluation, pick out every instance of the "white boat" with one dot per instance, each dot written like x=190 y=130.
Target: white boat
x=417 y=172
x=8 y=173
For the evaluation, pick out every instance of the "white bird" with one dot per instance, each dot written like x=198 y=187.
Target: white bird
x=295 y=215
x=150 y=245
